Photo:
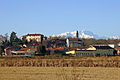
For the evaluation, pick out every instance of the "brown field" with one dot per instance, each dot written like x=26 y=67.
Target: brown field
x=59 y=73
x=60 y=68
x=60 y=61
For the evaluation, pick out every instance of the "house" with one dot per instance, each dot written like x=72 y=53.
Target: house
x=24 y=51
x=73 y=42
x=57 y=42
x=104 y=51
x=117 y=50
x=33 y=45
x=17 y=50
x=92 y=51
x=113 y=45
x=36 y=37
x=60 y=50
x=9 y=49
x=82 y=51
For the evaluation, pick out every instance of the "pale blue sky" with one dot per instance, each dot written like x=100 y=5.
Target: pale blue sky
x=57 y=16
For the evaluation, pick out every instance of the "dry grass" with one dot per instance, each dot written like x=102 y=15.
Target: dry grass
x=59 y=73
x=60 y=62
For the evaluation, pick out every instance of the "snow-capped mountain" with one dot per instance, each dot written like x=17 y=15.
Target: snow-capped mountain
x=85 y=34
x=82 y=34
x=89 y=34
x=114 y=37
x=68 y=34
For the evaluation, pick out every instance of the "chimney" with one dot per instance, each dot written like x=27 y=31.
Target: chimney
x=77 y=34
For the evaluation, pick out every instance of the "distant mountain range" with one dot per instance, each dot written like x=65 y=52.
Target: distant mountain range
x=85 y=34
x=114 y=37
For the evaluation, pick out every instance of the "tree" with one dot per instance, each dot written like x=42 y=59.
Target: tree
x=6 y=43
x=13 y=37
x=41 y=50
x=1 y=50
x=14 y=40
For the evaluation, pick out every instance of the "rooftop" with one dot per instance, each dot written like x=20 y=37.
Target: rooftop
x=117 y=48
x=32 y=35
x=56 y=48
x=103 y=47
x=73 y=38
x=82 y=47
x=25 y=49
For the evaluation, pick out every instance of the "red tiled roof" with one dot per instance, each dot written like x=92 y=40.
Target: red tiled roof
x=13 y=47
x=60 y=48
x=23 y=49
x=73 y=38
x=49 y=49
x=55 y=48
x=54 y=38
x=117 y=48
x=8 y=47
x=34 y=34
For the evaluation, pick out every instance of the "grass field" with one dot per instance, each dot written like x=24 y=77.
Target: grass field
x=59 y=73
x=60 y=61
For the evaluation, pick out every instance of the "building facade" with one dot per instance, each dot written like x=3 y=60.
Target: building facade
x=93 y=51
x=104 y=51
x=36 y=37
x=73 y=42
x=57 y=42
x=82 y=51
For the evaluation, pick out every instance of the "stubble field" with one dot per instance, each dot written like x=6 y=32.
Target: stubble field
x=59 y=73
x=60 y=68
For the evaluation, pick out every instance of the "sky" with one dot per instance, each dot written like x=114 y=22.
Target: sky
x=50 y=17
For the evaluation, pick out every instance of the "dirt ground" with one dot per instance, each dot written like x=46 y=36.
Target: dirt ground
x=59 y=73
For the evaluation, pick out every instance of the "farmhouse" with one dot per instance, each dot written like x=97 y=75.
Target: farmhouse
x=34 y=37
x=73 y=42
x=104 y=51
x=57 y=42
x=9 y=49
x=92 y=51
x=24 y=51
x=60 y=50
x=82 y=51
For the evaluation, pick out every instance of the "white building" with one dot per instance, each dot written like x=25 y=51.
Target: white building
x=36 y=37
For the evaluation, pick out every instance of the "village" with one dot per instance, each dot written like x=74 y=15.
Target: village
x=59 y=40
x=40 y=45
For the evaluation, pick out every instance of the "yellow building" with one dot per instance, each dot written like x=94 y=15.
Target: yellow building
x=82 y=51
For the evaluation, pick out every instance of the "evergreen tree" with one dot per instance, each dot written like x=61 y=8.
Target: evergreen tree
x=14 y=40
x=13 y=37
x=41 y=50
